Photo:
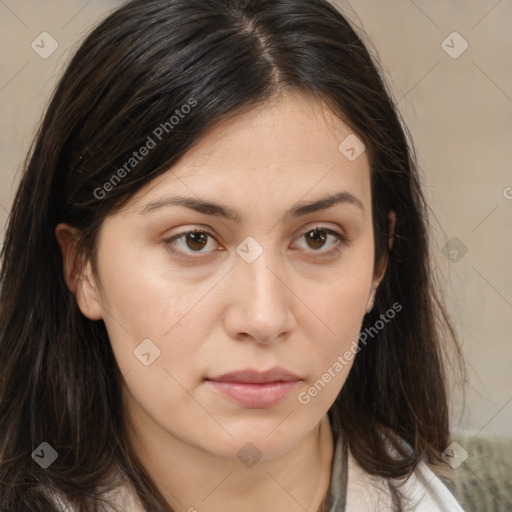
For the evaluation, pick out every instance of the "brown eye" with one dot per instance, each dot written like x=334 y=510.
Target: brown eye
x=190 y=242
x=318 y=238
x=196 y=240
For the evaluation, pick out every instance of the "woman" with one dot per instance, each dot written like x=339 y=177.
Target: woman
x=216 y=284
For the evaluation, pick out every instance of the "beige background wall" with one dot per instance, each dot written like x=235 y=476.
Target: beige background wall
x=459 y=111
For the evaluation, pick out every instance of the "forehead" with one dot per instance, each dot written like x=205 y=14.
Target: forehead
x=288 y=149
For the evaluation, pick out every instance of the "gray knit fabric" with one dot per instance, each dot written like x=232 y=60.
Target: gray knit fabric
x=336 y=497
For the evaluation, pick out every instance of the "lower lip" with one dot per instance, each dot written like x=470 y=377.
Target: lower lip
x=255 y=396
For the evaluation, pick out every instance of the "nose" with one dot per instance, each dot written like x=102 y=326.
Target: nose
x=261 y=305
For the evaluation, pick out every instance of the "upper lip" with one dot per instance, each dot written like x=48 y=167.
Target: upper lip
x=257 y=377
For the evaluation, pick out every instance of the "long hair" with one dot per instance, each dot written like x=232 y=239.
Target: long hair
x=59 y=381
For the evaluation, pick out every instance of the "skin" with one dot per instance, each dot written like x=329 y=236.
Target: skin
x=295 y=306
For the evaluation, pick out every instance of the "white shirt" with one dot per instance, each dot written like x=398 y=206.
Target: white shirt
x=354 y=490
x=424 y=488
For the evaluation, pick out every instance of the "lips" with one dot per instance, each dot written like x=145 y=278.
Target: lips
x=256 y=377
x=254 y=389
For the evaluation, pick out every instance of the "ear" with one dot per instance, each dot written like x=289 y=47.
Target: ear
x=381 y=270
x=79 y=276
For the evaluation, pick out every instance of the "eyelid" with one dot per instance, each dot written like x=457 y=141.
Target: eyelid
x=342 y=239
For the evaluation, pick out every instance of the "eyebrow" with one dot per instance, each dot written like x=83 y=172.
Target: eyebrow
x=219 y=210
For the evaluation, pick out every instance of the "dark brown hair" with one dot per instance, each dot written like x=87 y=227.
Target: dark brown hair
x=59 y=381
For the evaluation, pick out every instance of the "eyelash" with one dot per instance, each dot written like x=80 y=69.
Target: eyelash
x=194 y=255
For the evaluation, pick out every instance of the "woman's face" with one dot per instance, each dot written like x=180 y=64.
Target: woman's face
x=257 y=289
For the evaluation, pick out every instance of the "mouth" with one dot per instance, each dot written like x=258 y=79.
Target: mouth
x=253 y=389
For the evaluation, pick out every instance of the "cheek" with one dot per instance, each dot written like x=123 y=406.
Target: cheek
x=136 y=300
x=339 y=299
x=145 y=298
x=333 y=323
x=139 y=289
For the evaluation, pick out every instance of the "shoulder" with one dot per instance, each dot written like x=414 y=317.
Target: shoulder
x=423 y=490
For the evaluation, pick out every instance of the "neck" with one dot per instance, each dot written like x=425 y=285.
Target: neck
x=192 y=480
